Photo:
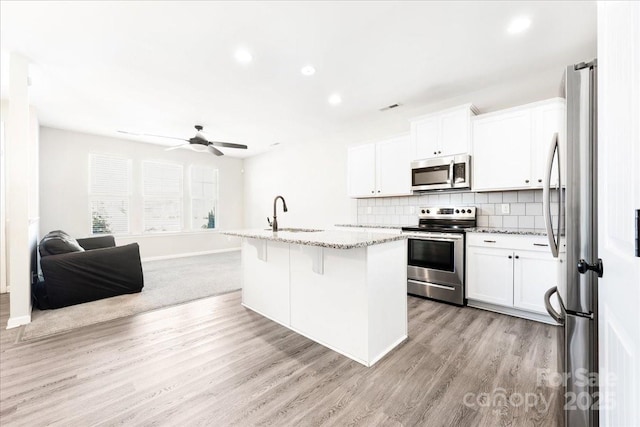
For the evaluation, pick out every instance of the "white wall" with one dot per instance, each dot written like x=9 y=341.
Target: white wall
x=312 y=179
x=312 y=175
x=64 y=183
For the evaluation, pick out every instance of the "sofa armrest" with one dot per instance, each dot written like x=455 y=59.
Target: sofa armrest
x=78 y=277
x=97 y=242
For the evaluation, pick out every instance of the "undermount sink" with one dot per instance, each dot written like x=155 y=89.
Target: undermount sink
x=298 y=230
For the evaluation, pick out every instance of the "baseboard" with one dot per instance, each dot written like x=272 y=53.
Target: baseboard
x=512 y=312
x=188 y=254
x=14 y=322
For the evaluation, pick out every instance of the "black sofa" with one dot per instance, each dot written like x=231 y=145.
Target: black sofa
x=77 y=271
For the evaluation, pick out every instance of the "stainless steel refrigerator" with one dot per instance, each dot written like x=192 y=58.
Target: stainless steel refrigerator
x=574 y=225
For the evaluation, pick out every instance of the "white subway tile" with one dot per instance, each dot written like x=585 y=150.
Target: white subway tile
x=455 y=199
x=509 y=196
x=379 y=201
x=404 y=201
x=510 y=221
x=399 y=210
x=483 y=221
x=526 y=222
x=395 y=201
x=444 y=199
x=468 y=198
x=534 y=208
x=386 y=201
x=538 y=196
x=518 y=209
x=526 y=196
x=487 y=209
x=539 y=222
x=495 y=197
x=433 y=199
x=495 y=221
x=482 y=198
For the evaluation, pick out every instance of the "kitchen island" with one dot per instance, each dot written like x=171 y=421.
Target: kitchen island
x=346 y=290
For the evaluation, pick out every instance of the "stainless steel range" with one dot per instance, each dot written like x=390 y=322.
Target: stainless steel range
x=436 y=252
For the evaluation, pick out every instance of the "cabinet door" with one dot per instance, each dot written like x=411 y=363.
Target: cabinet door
x=533 y=274
x=361 y=165
x=424 y=134
x=547 y=120
x=393 y=167
x=454 y=132
x=502 y=151
x=490 y=275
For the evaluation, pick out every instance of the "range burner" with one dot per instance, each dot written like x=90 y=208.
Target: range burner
x=446 y=219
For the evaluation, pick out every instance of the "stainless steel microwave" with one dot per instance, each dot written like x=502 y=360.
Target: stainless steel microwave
x=442 y=173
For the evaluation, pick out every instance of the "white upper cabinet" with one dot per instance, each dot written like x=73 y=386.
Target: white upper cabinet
x=443 y=133
x=380 y=169
x=361 y=166
x=510 y=147
x=501 y=151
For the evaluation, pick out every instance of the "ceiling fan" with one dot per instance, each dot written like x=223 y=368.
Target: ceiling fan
x=198 y=139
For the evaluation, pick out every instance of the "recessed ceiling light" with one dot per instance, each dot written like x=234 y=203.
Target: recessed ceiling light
x=335 y=99
x=518 y=25
x=308 y=70
x=243 y=56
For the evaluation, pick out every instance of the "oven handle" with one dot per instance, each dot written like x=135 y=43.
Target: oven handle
x=416 y=282
x=438 y=239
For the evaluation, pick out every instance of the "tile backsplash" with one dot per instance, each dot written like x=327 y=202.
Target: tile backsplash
x=525 y=208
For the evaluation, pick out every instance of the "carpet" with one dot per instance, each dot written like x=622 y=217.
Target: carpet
x=166 y=283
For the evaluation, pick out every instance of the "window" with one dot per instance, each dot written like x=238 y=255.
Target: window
x=109 y=192
x=162 y=192
x=204 y=197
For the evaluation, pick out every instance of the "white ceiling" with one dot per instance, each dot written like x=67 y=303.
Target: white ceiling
x=161 y=67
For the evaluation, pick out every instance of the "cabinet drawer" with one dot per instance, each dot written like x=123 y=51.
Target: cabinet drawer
x=510 y=241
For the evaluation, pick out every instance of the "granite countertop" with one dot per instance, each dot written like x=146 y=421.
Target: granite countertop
x=336 y=239
x=372 y=226
x=521 y=231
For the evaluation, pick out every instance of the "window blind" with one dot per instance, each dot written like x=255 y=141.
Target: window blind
x=162 y=192
x=204 y=197
x=109 y=192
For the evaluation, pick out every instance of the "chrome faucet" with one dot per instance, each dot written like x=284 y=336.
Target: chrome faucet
x=274 y=224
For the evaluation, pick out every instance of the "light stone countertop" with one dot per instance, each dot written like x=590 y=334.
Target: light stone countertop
x=389 y=226
x=336 y=239
x=521 y=231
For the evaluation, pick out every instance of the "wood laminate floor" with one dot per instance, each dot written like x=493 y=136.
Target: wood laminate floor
x=214 y=363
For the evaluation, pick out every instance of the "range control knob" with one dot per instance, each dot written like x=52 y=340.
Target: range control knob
x=423 y=211
x=458 y=210
x=428 y=211
x=468 y=210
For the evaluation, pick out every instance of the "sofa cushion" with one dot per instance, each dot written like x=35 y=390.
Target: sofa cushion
x=58 y=242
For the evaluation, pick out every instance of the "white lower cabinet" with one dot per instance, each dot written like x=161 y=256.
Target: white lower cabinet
x=490 y=273
x=511 y=273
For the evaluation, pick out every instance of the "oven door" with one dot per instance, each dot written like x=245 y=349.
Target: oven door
x=436 y=258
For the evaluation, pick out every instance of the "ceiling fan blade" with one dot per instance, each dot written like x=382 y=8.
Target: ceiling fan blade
x=215 y=151
x=227 y=144
x=162 y=136
x=150 y=134
x=176 y=146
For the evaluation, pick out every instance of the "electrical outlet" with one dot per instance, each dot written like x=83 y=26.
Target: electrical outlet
x=505 y=208
x=368 y=209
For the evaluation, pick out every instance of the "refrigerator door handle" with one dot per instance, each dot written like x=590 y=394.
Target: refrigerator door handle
x=546 y=197
x=558 y=317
